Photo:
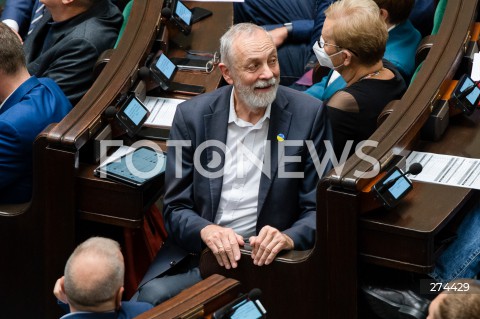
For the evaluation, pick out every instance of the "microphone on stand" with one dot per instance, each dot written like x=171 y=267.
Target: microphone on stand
x=414 y=169
x=226 y=311
x=166 y=13
x=144 y=73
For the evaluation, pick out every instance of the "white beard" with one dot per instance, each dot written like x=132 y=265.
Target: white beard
x=255 y=100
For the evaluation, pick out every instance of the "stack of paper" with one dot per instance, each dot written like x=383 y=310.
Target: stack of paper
x=476 y=67
x=446 y=169
x=161 y=110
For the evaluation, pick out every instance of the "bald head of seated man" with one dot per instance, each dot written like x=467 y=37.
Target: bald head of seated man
x=92 y=285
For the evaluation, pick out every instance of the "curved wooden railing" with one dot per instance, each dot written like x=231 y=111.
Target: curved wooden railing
x=398 y=132
x=38 y=237
x=118 y=76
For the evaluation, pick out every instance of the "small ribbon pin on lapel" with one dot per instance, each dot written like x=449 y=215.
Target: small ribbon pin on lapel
x=280 y=137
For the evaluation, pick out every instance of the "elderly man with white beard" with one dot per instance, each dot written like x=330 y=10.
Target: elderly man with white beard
x=242 y=167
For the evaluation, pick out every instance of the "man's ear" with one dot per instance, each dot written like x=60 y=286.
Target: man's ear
x=62 y=290
x=67 y=1
x=384 y=15
x=118 y=299
x=226 y=73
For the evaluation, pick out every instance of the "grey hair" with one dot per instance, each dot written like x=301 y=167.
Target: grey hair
x=227 y=39
x=88 y=292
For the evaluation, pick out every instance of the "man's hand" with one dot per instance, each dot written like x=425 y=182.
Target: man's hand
x=279 y=35
x=224 y=243
x=58 y=290
x=269 y=242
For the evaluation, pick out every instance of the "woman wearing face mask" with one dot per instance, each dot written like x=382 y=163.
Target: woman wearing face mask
x=353 y=43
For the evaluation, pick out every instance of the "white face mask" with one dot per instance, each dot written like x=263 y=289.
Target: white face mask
x=323 y=58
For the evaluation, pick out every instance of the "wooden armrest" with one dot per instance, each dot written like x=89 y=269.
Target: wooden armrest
x=387 y=110
x=287 y=256
x=13 y=209
x=102 y=61
x=423 y=48
x=209 y=264
x=197 y=301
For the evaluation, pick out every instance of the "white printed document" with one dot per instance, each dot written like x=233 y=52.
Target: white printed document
x=446 y=169
x=475 y=75
x=161 y=110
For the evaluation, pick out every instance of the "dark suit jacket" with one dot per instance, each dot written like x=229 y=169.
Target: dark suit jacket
x=19 y=11
x=288 y=204
x=30 y=108
x=72 y=47
x=128 y=310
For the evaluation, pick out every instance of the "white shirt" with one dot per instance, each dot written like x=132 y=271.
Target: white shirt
x=391 y=28
x=12 y=24
x=1 y=105
x=333 y=77
x=241 y=180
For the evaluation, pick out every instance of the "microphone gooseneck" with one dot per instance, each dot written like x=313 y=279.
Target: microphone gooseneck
x=414 y=169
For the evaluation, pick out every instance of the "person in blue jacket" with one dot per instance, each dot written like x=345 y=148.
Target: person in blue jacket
x=28 y=105
x=294 y=26
x=92 y=285
x=17 y=14
x=297 y=25
x=402 y=43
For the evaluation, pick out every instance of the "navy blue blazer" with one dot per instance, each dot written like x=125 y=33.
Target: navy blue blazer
x=30 y=108
x=19 y=11
x=128 y=310
x=288 y=204
x=73 y=47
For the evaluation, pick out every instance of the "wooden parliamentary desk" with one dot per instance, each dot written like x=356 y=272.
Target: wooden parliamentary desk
x=38 y=237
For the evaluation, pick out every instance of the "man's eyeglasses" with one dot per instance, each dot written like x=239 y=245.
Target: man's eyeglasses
x=322 y=44
x=214 y=58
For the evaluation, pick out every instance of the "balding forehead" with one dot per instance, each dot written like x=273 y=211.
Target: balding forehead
x=253 y=44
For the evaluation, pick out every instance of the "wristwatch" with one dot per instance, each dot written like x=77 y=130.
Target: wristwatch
x=289 y=27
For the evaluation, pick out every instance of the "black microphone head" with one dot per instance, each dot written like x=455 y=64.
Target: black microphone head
x=144 y=73
x=415 y=169
x=110 y=111
x=254 y=294
x=166 y=13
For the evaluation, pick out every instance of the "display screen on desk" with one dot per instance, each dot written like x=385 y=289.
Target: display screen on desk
x=183 y=12
x=163 y=70
x=165 y=66
x=474 y=95
x=132 y=115
x=466 y=94
x=135 y=168
x=248 y=309
x=135 y=111
x=391 y=194
x=400 y=186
